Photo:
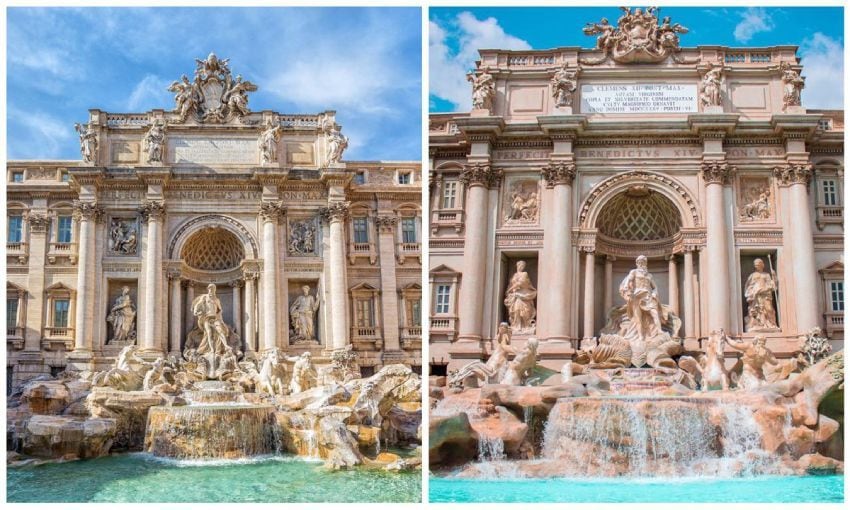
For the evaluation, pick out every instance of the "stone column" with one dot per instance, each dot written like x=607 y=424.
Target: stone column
x=37 y=223
x=389 y=288
x=176 y=308
x=589 y=299
x=336 y=214
x=250 y=314
x=477 y=177
x=270 y=212
x=715 y=175
x=797 y=177
x=87 y=213
x=153 y=212
x=608 y=300
x=237 y=307
x=673 y=283
x=559 y=176
x=690 y=311
x=190 y=298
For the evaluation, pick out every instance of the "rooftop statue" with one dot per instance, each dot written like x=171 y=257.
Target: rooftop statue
x=637 y=39
x=483 y=89
x=213 y=96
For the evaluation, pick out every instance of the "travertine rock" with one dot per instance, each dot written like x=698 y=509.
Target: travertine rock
x=46 y=397
x=817 y=464
x=129 y=409
x=502 y=424
x=64 y=437
x=451 y=440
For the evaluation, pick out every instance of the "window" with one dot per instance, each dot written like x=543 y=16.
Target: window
x=361 y=233
x=416 y=313
x=360 y=177
x=17 y=177
x=408 y=230
x=12 y=312
x=65 y=176
x=60 y=313
x=16 y=225
x=836 y=295
x=364 y=317
x=830 y=196
x=449 y=194
x=63 y=233
x=442 y=305
x=404 y=177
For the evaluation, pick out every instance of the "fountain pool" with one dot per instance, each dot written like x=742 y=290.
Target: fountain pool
x=766 y=489
x=143 y=478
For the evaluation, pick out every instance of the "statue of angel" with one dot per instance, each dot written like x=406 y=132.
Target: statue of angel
x=186 y=97
x=236 y=97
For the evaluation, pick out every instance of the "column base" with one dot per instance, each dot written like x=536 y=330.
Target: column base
x=150 y=354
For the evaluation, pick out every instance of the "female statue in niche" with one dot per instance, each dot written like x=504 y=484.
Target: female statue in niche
x=519 y=299
x=302 y=313
x=123 y=317
x=759 y=291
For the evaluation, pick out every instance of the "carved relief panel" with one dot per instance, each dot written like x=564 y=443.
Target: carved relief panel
x=302 y=236
x=755 y=200
x=123 y=235
x=521 y=201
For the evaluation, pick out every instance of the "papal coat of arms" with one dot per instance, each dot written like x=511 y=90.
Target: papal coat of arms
x=213 y=96
x=637 y=38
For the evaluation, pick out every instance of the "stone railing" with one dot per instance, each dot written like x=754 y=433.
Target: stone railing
x=127 y=119
x=57 y=338
x=834 y=322
x=829 y=215
x=444 y=326
x=62 y=250
x=405 y=250
x=15 y=337
x=411 y=332
x=447 y=218
x=362 y=250
x=747 y=57
x=367 y=338
x=299 y=121
x=17 y=250
x=531 y=60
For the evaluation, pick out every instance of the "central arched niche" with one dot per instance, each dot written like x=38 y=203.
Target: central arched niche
x=639 y=214
x=213 y=249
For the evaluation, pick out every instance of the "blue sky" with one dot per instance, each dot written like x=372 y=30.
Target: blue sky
x=365 y=63
x=456 y=34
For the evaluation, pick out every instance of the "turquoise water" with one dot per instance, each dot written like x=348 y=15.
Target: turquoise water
x=768 y=489
x=142 y=478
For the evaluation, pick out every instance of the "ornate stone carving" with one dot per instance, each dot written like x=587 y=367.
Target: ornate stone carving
x=337 y=143
x=267 y=143
x=87 y=211
x=336 y=211
x=792 y=85
x=760 y=293
x=755 y=355
x=302 y=315
x=638 y=38
x=564 y=84
x=494 y=369
x=304 y=375
x=480 y=174
x=271 y=211
x=210 y=345
x=214 y=96
x=38 y=222
x=758 y=207
x=523 y=204
x=716 y=172
x=521 y=367
x=519 y=300
x=302 y=237
x=88 y=142
x=483 y=89
x=123 y=236
x=709 y=89
x=122 y=317
x=152 y=210
x=815 y=348
x=386 y=224
x=559 y=172
x=154 y=142
x=793 y=174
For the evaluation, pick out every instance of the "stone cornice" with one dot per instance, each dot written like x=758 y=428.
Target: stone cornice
x=336 y=177
x=481 y=128
x=799 y=126
x=712 y=124
x=559 y=127
x=716 y=172
x=559 y=172
x=270 y=176
x=481 y=174
x=793 y=174
x=153 y=176
x=86 y=176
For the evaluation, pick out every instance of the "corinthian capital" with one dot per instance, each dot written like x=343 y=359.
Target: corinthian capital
x=271 y=211
x=38 y=222
x=559 y=172
x=716 y=172
x=386 y=223
x=152 y=210
x=481 y=174
x=793 y=174
x=87 y=211
x=336 y=211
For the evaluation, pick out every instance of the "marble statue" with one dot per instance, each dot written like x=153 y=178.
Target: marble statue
x=237 y=98
x=268 y=142
x=793 y=85
x=154 y=142
x=207 y=308
x=521 y=367
x=564 y=83
x=638 y=38
x=88 y=142
x=519 y=300
x=337 y=143
x=710 y=87
x=122 y=237
x=122 y=316
x=815 y=347
x=758 y=208
x=494 y=369
x=755 y=355
x=213 y=96
x=270 y=378
x=186 y=99
x=160 y=377
x=126 y=374
x=302 y=238
x=304 y=375
x=712 y=364
x=760 y=291
x=523 y=207
x=302 y=313
x=483 y=89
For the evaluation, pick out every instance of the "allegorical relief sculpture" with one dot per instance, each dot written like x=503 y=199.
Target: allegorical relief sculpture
x=758 y=208
x=519 y=300
x=123 y=237
x=709 y=94
x=564 y=84
x=88 y=142
x=760 y=292
x=793 y=85
x=638 y=38
x=214 y=96
x=302 y=314
x=302 y=237
x=122 y=317
x=523 y=206
x=337 y=143
x=483 y=89
x=267 y=143
x=154 y=142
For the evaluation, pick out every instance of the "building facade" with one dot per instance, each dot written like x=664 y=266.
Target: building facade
x=307 y=252
x=576 y=161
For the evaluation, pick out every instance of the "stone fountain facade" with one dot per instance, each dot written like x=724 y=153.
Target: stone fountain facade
x=309 y=253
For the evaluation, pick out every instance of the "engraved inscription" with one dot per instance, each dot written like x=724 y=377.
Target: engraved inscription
x=239 y=151
x=639 y=98
x=125 y=152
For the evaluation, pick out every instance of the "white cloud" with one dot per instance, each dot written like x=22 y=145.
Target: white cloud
x=823 y=67
x=46 y=135
x=448 y=69
x=753 y=21
x=148 y=93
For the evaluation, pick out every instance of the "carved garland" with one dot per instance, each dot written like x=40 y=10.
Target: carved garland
x=559 y=172
x=794 y=174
